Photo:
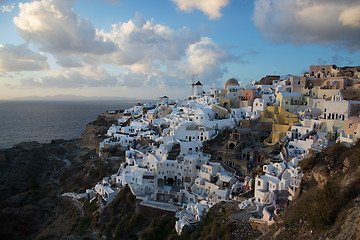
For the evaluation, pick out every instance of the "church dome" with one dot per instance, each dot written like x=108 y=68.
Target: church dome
x=231 y=82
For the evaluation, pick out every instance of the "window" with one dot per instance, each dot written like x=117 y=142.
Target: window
x=259 y=184
x=350 y=125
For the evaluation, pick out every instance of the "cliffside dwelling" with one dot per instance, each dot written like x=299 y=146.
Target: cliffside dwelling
x=299 y=114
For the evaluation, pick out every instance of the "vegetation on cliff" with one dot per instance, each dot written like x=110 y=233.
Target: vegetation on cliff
x=330 y=193
x=33 y=176
x=221 y=223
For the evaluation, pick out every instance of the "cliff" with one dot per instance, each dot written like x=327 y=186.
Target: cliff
x=33 y=177
x=328 y=206
x=95 y=131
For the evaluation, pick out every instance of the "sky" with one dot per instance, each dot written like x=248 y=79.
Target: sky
x=146 y=49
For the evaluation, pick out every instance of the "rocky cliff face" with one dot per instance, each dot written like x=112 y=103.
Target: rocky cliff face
x=92 y=136
x=95 y=131
x=328 y=206
x=33 y=177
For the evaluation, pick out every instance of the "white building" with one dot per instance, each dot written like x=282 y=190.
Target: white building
x=233 y=92
x=339 y=109
x=190 y=215
x=105 y=191
x=297 y=146
x=278 y=177
x=259 y=105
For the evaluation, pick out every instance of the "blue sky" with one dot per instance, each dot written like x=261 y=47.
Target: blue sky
x=146 y=49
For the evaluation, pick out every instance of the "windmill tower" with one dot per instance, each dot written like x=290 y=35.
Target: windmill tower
x=198 y=91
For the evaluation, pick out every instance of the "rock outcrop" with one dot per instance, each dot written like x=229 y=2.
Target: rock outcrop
x=95 y=131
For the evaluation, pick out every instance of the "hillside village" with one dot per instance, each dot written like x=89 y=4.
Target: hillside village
x=177 y=160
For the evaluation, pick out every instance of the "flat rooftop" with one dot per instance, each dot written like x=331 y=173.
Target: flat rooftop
x=160 y=205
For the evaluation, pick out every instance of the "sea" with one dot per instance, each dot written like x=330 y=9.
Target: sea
x=43 y=121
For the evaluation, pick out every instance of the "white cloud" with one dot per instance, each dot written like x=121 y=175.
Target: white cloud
x=7 y=8
x=88 y=76
x=351 y=17
x=325 y=22
x=144 y=52
x=157 y=55
x=203 y=55
x=57 y=29
x=210 y=7
x=145 y=47
x=21 y=58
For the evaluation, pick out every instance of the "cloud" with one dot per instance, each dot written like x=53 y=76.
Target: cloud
x=57 y=29
x=351 y=17
x=21 y=58
x=204 y=55
x=324 y=22
x=5 y=75
x=335 y=59
x=210 y=7
x=7 y=8
x=88 y=76
x=69 y=62
x=146 y=54
x=204 y=60
x=157 y=55
x=340 y=60
x=145 y=47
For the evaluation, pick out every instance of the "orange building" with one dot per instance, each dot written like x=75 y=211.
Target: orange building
x=248 y=95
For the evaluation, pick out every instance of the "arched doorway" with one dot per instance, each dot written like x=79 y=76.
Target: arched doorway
x=231 y=146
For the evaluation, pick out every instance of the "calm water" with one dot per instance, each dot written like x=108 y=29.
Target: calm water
x=43 y=121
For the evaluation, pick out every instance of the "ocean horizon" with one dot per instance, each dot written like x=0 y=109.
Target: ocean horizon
x=43 y=121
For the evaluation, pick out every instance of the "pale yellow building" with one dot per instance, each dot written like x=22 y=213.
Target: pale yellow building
x=282 y=121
